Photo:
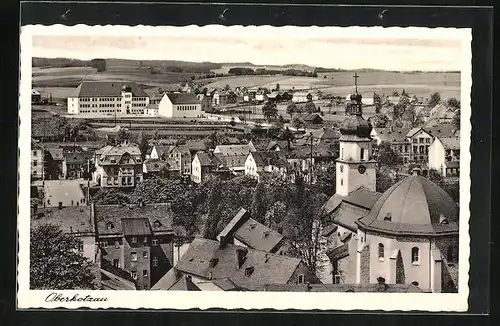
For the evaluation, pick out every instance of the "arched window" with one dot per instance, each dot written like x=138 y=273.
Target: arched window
x=381 y=252
x=415 y=255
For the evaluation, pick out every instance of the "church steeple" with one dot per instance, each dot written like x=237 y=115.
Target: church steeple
x=355 y=165
x=354 y=106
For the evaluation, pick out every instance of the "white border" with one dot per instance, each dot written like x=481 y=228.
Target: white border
x=27 y=298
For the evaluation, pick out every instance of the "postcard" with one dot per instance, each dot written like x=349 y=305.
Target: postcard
x=257 y=167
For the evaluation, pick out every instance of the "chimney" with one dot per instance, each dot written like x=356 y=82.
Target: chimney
x=241 y=254
x=382 y=286
x=267 y=257
x=222 y=242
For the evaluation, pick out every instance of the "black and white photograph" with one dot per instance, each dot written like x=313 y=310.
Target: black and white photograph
x=179 y=164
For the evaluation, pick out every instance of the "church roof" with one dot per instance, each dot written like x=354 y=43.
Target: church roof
x=413 y=206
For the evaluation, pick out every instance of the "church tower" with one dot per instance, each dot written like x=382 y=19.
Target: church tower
x=355 y=166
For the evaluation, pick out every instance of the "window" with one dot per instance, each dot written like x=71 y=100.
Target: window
x=104 y=244
x=414 y=256
x=341 y=168
x=300 y=279
x=154 y=242
x=145 y=240
x=116 y=262
x=155 y=261
x=35 y=163
x=362 y=154
x=35 y=153
x=249 y=271
x=341 y=182
x=144 y=254
x=451 y=255
x=134 y=240
x=381 y=252
x=133 y=256
x=134 y=275
x=428 y=140
x=145 y=273
x=80 y=247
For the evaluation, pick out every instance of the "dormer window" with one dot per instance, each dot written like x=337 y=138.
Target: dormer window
x=249 y=271
x=252 y=226
x=443 y=219
x=110 y=226
x=388 y=217
x=266 y=234
x=157 y=224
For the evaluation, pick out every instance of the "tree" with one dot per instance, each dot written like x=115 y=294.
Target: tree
x=453 y=103
x=277 y=87
x=310 y=107
x=436 y=177
x=383 y=181
x=410 y=115
x=456 y=119
x=270 y=111
x=227 y=88
x=379 y=121
x=143 y=144
x=395 y=93
x=122 y=136
x=99 y=64
x=291 y=109
x=435 y=99
x=326 y=178
x=377 y=102
x=56 y=263
x=387 y=157
x=280 y=122
x=259 y=203
x=298 y=123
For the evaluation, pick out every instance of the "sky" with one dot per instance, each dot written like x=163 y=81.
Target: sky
x=347 y=48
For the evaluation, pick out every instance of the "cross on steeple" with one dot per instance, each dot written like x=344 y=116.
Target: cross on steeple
x=356 y=81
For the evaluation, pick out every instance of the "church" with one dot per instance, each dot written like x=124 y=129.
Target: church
x=406 y=235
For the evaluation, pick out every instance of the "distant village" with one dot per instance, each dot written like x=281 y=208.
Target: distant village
x=112 y=172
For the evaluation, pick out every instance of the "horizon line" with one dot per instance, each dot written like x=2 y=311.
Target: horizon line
x=254 y=64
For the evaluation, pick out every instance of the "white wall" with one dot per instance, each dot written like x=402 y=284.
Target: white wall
x=436 y=155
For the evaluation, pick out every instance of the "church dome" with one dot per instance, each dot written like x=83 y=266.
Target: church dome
x=413 y=206
x=355 y=125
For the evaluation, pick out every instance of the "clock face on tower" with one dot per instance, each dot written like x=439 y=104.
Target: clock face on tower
x=361 y=169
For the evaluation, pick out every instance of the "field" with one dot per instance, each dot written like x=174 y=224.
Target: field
x=341 y=83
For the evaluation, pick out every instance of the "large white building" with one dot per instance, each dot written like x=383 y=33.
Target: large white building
x=179 y=105
x=444 y=156
x=108 y=98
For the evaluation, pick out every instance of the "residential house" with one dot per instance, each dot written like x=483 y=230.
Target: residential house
x=274 y=145
x=36 y=97
x=444 y=156
x=396 y=138
x=55 y=161
x=152 y=110
x=234 y=156
x=206 y=102
x=114 y=278
x=382 y=286
x=136 y=238
x=302 y=161
x=242 y=267
x=110 y=98
x=258 y=163
x=205 y=164
x=261 y=95
x=223 y=97
x=442 y=113
x=244 y=231
x=156 y=167
x=179 y=105
x=64 y=193
x=194 y=146
x=310 y=118
x=274 y=97
x=178 y=157
x=250 y=95
x=420 y=140
x=76 y=164
x=175 y=281
x=77 y=221
x=302 y=97
x=118 y=166
x=37 y=161
x=327 y=137
x=285 y=96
